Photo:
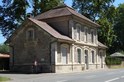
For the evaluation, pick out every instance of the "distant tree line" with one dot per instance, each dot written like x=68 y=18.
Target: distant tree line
x=4 y=49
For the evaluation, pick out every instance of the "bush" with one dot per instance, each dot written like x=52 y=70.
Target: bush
x=112 y=61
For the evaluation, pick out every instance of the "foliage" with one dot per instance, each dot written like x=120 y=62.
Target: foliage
x=112 y=61
x=92 y=9
x=122 y=52
x=4 y=49
x=13 y=12
x=106 y=32
x=119 y=28
x=101 y=11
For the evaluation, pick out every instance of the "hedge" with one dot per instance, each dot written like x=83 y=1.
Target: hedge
x=112 y=61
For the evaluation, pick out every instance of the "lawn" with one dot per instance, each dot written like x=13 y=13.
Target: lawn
x=3 y=79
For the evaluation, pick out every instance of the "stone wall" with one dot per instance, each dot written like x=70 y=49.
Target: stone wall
x=27 y=52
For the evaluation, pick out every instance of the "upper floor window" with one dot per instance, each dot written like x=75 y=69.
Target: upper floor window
x=85 y=34
x=78 y=30
x=95 y=35
x=30 y=34
x=92 y=36
x=82 y=34
x=89 y=35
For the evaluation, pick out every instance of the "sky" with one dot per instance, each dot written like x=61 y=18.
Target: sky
x=67 y=2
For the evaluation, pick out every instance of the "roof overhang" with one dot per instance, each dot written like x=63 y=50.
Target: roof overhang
x=4 y=56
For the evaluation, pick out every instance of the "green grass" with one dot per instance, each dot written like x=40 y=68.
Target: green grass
x=115 y=66
x=3 y=79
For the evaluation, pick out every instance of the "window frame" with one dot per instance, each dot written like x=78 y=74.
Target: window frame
x=92 y=36
x=78 y=31
x=79 y=58
x=67 y=54
x=86 y=34
x=93 y=56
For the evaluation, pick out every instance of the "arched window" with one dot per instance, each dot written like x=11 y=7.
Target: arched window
x=86 y=59
x=79 y=55
x=64 y=53
x=30 y=34
x=86 y=56
x=93 y=56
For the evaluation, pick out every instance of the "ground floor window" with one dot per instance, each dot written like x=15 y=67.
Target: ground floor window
x=64 y=55
x=86 y=56
x=93 y=56
x=79 y=55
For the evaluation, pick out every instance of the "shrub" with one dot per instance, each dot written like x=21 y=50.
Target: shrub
x=113 y=61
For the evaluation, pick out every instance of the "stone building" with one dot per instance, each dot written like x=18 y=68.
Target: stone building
x=58 y=40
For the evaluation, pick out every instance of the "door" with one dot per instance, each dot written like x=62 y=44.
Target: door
x=86 y=59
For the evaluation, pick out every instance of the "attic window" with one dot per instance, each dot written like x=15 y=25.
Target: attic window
x=30 y=34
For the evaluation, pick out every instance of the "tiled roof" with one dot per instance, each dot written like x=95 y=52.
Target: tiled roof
x=100 y=45
x=50 y=30
x=4 y=55
x=63 y=11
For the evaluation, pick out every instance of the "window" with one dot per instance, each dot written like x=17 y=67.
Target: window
x=30 y=34
x=78 y=33
x=89 y=35
x=85 y=35
x=64 y=55
x=82 y=34
x=92 y=37
x=75 y=31
x=79 y=55
x=78 y=28
x=95 y=36
x=86 y=56
x=93 y=56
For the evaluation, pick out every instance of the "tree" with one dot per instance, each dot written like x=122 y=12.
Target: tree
x=102 y=12
x=14 y=12
x=4 y=49
x=119 y=29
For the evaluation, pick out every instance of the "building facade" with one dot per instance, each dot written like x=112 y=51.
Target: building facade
x=58 y=40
